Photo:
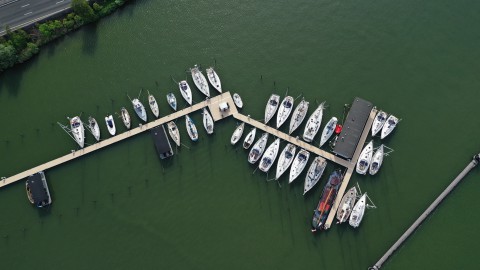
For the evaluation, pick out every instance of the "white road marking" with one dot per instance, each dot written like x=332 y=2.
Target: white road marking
x=59 y=2
x=25 y=5
x=27 y=13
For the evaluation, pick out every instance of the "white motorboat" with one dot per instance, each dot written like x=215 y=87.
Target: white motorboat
x=237 y=134
x=174 y=133
x=139 y=109
x=249 y=138
x=125 y=117
x=200 y=81
x=191 y=128
x=389 y=125
x=285 y=159
x=153 y=105
x=346 y=205
x=110 y=125
x=185 y=91
x=313 y=123
x=314 y=173
x=284 y=110
x=214 y=79
x=172 y=101
x=77 y=130
x=207 y=121
x=298 y=115
x=271 y=108
x=328 y=130
x=358 y=210
x=365 y=158
x=258 y=149
x=237 y=100
x=298 y=164
x=269 y=156
x=94 y=128
x=378 y=122
x=376 y=160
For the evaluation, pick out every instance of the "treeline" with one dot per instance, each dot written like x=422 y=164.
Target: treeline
x=20 y=45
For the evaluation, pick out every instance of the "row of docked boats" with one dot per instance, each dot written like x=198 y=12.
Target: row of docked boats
x=192 y=131
x=370 y=161
x=384 y=124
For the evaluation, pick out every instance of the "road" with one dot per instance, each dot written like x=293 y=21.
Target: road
x=20 y=13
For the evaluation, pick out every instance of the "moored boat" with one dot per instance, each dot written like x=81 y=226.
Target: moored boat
x=389 y=125
x=314 y=173
x=377 y=160
x=378 y=122
x=285 y=159
x=326 y=200
x=269 y=156
x=174 y=133
x=37 y=190
x=365 y=158
x=313 y=123
x=298 y=115
x=139 y=109
x=298 y=164
x=358 y=210
x=191 y=128
x=249 y=138
x=328 y=130
x=125 y=117
x=284 y=110
x=153 y=105
x=258 y=149
x=214 y=79
x=172 y=101
x=77 y=130
x=110 y=125
x=200 y=81
x=346 y=205
x=271 y=108
x=237 y=134
x=237 y=100
x=185 y=91
x=207 y=121
x=94 y=128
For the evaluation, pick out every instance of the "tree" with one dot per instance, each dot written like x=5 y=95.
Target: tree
x=8 y=56
x=18 y=39
x=83 y=9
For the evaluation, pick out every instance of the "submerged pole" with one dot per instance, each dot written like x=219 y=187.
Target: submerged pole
x=470 y=166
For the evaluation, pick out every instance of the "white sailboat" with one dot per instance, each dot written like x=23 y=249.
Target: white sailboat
x=153 y=105
x=200 y=81
x=298 y=115
x=94 y=128
x=346 y=205
x=271 y=108
x=174 y=133
x=365 y=158
x=185 y=91
x=313 y=123
x=237 y=134
x=214 y=79
x=110 y=125
x=208 y=121
x=249 y=138
x=77 y=130
x=284 y=110
x=358 y=210
x=378 y=122
x=172 y=101
x=125 y=117
x=388 y=127
x=237 y=100
x=285 y=159
x=328 y=130
x=258 y=149
x=314 y=173
x=376 y=160
x=298 y=164
x=139 y=109
x=191 y=128
x=269 y=156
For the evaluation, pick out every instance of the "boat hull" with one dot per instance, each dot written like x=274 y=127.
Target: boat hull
x=327 y=198
x=346 y=205
x=314 y=173
x=298 y=164
x=237 y=134
x=200 y=81
x=298 y=115
x=269 y=156
x=214 y=79
x=249 y=138
x=328 y=130
x=185 y=91
x=365 y=158
x=271 y=108
x=285 y=160
x=208 y=123
x=173 y=132
x=258 y=148
x=78 y=131
x=284 y=111
x=313 y=124
x=191 y=128
x=110 y=125
x=153 y=105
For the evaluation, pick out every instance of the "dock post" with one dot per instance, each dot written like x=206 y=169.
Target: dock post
x=406 y=234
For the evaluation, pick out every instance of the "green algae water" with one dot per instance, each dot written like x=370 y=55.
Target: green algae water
x=123 y=208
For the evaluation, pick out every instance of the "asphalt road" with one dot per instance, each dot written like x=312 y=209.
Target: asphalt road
x=20 y=13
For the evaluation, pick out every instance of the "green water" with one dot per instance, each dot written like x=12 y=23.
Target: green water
x=122 y=208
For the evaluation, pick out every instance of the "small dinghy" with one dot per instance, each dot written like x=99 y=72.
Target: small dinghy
x=249 y=138
x=314 y=173
x=284 y=111
x=110 y=125
x=258 y=148
x=174 y=133
x=139 y=109
x=94 y=128
x=365 y=158
x=237 y=134
x=298 y=115
x=298 y=164
x=328 y=130
x=269 y=156
x=389 y=125
x=185 y=91
x=378 y=123
x=153 y=104
x=285 y=159
x=346 y=205
x=376 y=160
x=358 y=211
x=172 y=101
x=125 y=117
x=207 y=121
x=77 y=130
x=191 y=128
x=237 y=100
x=271 y=108
x=200 y=81
x=214 y=79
